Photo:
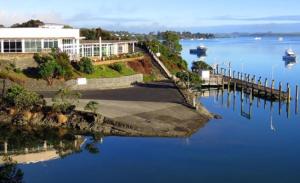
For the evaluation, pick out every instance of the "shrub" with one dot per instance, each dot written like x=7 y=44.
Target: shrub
x=64 y=100
x=47 y=71
x=86 y=65
x=22 y=99
x=92 y=106
x=117 y=67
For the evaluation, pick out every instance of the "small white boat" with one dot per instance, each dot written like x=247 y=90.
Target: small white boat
x=280 y=39
x=290 y=55
x=257 y=38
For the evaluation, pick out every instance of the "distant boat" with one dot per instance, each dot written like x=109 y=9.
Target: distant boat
x=200 y=51
x=257 y=38
x=280 y=39
x=290 y=56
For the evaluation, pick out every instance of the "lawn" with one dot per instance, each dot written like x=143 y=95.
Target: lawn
x=105 y=71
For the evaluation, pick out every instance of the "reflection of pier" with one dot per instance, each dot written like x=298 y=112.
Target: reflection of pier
x=230 y=99
x=44 y=152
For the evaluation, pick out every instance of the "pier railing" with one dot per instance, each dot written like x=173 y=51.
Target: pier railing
x=252 y=85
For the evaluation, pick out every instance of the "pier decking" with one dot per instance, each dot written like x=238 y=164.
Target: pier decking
x=251 y=86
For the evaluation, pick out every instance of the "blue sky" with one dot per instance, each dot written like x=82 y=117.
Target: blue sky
x=139 y=15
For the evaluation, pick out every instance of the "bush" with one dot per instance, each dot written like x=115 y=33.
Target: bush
x=117 y=67
x=64 y=100
x=86 y=65
x=22 y=99
x=54 y=65
x=92 y=106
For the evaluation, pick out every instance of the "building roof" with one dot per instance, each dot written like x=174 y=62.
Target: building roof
x=106 y=41
x=38 y=33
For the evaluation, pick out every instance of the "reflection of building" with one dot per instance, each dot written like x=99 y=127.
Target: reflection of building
x=42 y=153
x=44 y=38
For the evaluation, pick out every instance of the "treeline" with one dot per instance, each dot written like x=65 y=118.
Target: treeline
x=189 y=35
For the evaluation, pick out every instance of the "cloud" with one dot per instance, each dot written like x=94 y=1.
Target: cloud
x=9 y=18
x=285 y=18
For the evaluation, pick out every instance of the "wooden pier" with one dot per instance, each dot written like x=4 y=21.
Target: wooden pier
x=251 y=86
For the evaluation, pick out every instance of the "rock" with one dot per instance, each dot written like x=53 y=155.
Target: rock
x=217 y=116
x=62 y=119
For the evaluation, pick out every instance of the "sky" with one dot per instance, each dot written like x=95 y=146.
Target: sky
x=154 y=15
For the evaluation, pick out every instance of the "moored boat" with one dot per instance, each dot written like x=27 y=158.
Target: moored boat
x=290 y=55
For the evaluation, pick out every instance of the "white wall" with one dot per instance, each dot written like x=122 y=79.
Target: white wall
x=38 y=33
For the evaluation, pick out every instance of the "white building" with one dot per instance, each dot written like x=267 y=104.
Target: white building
x=42 y=39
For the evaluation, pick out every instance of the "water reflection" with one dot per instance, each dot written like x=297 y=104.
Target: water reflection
x=289 y=64
x=25 y=145
x=247 y=102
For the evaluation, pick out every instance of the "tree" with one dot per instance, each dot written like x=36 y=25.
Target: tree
x=22 y=99
x=1 y=26
x=92 y=106
x=47 y=71
x=64 y=100
x=30 y=23
x=9 y=172
x=63 y=60
x=171 y=40
x=86 y=65
x=200 y=65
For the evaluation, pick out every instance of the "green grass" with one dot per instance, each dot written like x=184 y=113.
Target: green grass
x=106 y=72
x=149 y=78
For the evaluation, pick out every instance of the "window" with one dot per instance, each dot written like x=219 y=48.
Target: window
x=120 y=49
x=50 y=43
x=33 y=46
x=12 y=46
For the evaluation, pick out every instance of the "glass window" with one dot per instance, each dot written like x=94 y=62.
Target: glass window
x=12 y=46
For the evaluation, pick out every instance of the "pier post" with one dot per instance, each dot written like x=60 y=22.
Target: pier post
x=222 y=83
x=5 y=147
x=228 y=85
x=251 y=96
x=297 y=94
x=272 y=88
x=248 y=77
x=234 y=88
x=280 y=90
x=266 y=85
x=238 y=75
x=217 y=67
x=288 y=93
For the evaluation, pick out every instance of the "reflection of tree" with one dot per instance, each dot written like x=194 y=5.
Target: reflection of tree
x=10 y=173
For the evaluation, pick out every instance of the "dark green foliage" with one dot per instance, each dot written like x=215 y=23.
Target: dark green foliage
x=92 y=148
x=193 y=79
x=94 y=34
x=21 y=98
x=30 y=23
x=200 y=65
x=92 y=106
x=54 y=66
x=10 y=173
x=171 y=41
x=117 y=67
x=172 y=60
x=48 y=71
x=65 y=100
x=86 y=65
x=1 y=26
x=65 y=69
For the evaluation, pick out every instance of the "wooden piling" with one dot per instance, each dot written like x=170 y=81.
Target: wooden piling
x=297 y=94
x=234 y=88
x=280 y=90
x=288 y=93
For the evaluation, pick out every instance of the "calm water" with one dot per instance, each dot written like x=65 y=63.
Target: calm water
x=250 y=144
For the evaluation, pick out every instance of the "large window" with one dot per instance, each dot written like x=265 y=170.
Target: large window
x=50 y=43
x=120 y=49
x=12 y=46
x=33 y=46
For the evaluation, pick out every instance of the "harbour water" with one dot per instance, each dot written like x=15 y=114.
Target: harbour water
x=252 y=143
